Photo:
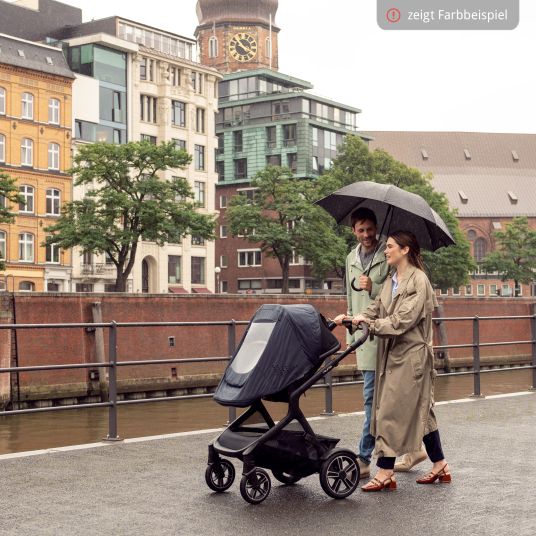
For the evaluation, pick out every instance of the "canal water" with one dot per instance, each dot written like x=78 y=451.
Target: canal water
x=47 y=430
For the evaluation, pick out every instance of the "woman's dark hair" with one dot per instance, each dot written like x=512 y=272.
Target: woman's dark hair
x=362 y=214
x=408 y=239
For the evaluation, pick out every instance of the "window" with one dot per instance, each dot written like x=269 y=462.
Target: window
x=3 y=245
x=506 y=290
x=108 y=259
x=268 y=47
x=2 y=148
x=150 y=139
x=26 y=247
x=292 y=161
x=241 y=168
x=199 y=156
x=147 y=69
x=53 y=253
x=2 y=101
x=471 y=234
x=273 y=160
x=26 y=286
x=175 y=76
x=53 y=197
x=148 y=108
x=224 y=261
x=198 y=241
x=480 y=249
x=84 y=287
x=53 y=156
x=223 y=231
x=178 y=114
x=179 y=144
x=249 y=194
x=198 y=270
x=249 y=258
x=481 y=290
x=238 y=145
x=27 y=193
x=223 y=201
x=315 y=163
x=174 y=269
x=53 y=287
x=468 y=290
x=224 y=287
x=199 y=193
x=249 y=284
x=197 y=82
x=271 y=139
x=54 y=111
x=213 y=47
x=26 y=152
x=289 y=135
x=220 y=170
x=456 y=291
x=200 y=120
x=493 y=290
x=27 y=105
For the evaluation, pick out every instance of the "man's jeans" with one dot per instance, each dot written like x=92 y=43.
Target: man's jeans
x=366 y=445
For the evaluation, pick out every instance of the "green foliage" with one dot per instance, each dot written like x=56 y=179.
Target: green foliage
x=9 y=195
x=515 y=256
x=127 y=201
x=448 y=267
x=285 y=220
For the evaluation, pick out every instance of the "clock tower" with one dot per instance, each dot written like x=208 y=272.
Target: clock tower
x=237 y=35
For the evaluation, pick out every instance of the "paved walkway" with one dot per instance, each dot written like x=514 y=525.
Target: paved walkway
x=157 y=487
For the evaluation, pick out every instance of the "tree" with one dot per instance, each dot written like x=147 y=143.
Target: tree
x=128 y=201
x=515 y=256
x=283 y=220
x=9 y=194
x=448 y=267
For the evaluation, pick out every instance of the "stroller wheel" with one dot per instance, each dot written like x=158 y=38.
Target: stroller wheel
x=339 y=474
x=220 y=477
x=286 y=478
x=255 y=486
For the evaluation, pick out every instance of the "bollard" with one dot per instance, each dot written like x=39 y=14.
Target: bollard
x=328 y=382
x=231 y=345
x=112 y=384
x=476 y=359
x=533 y=332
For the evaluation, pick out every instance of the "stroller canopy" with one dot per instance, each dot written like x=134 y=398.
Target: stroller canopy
x=282 y=345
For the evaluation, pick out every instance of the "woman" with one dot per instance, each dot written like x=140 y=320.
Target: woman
x=401 y=317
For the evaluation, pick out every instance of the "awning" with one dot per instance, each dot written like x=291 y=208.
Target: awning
x=178 y=290
x=201 y=290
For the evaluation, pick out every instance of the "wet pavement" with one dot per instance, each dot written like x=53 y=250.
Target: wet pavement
x=157 y=486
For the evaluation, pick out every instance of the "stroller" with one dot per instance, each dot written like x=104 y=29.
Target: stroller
x=281 y=355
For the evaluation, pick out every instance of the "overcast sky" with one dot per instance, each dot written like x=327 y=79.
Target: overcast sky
x=401 y=80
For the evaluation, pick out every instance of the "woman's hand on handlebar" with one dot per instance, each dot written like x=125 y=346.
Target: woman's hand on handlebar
x=339 y=319
x=359 y=319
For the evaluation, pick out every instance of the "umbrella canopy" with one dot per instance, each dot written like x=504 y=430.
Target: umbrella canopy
x=395 y=209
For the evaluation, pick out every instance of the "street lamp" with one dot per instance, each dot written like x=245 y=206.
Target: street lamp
x=217 y=271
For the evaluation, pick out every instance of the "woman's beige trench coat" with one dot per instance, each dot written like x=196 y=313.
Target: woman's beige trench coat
x=403 y=395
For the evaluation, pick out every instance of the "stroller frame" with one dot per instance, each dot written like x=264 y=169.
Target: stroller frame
x=250 y=444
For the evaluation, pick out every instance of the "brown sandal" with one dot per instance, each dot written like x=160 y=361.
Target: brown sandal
x=431 y=477
x=388 y=484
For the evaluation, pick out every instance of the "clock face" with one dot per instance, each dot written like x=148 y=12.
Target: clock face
x=243 y=47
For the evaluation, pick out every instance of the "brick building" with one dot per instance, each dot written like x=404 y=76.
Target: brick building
x=489 y=178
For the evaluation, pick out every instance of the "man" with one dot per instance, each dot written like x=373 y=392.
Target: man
x=366 y=270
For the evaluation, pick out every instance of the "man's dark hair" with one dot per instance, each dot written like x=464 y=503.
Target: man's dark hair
x=362 y=214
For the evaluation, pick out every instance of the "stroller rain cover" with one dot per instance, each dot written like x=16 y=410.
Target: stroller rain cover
x=282 y=345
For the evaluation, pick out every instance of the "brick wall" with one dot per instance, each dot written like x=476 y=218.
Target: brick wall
x=39 y=347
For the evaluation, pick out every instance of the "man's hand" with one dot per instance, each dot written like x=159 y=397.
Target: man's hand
x=365 y=283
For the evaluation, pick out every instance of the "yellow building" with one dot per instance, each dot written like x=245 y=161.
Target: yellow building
x=35 y=149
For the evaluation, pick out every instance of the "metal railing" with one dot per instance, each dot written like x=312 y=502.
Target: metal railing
x=328 y=385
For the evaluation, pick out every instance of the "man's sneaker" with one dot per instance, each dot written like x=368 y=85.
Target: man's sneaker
x=410 y=460
x=364 y=468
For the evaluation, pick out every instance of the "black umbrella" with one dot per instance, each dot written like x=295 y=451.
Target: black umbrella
x=395 y=209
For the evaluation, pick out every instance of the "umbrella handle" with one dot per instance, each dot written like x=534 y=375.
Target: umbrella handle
x=352 y=284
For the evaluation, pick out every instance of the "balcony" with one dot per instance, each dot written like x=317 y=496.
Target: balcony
x=98 y=270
